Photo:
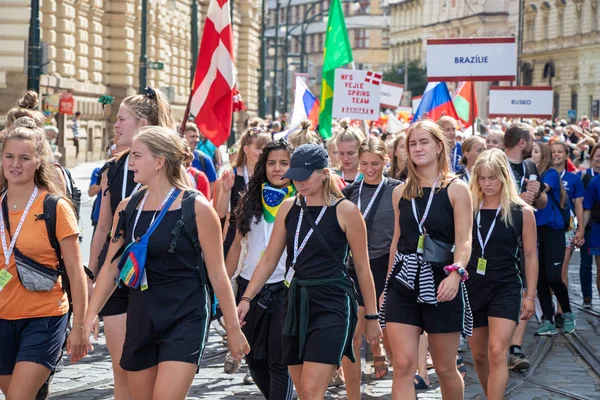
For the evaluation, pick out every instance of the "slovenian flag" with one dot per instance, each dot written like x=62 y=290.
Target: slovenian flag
x=306 y=105
x=436 y=102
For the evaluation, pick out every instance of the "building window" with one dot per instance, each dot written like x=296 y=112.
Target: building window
x=361 y=38
x=365 y=7
x=320 y=46
x=346 y=9
x=311 y=43
x=574 y=100
x=296 y=14
x=385 y=38
x=556 y=104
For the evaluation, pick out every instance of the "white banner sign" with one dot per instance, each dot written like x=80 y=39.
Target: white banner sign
x=416 y=100
x=391 y=94
x=521 y=102
x=356 y=94
x=473 y=59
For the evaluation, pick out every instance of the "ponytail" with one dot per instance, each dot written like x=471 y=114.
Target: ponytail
x=153 y=106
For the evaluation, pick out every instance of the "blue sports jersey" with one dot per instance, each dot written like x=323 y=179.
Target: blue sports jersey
x=550 y=215
x=573 y=186
x=592 y=196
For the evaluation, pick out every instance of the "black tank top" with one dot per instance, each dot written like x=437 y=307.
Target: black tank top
x=314 y=262
x=502 y=250
x=116 y=185
x=439 y=223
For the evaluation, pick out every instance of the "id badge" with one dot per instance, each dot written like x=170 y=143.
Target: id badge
x=421 y=244
x=5 y=277
x=289 y=276
x=481 y=266
x=144 y=282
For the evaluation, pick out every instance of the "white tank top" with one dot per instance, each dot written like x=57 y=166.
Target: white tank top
x=257 y=241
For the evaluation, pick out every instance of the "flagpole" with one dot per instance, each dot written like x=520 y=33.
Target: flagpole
x=472 y=113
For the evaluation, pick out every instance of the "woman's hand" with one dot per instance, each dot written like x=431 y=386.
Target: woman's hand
x=237 y=343
x=527 y=308
x=242 y=310
x=449 y=287
x=77 y=344
x=373 y=331
x=227 y=180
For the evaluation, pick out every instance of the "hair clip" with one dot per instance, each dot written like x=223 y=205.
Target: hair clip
x=150 y=93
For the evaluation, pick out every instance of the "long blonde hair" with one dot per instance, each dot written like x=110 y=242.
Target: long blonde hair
x=395 y=171
x=46 y=176
x=27 y=106
x=254 y=134
x=166 y=143
x=467 y=144
x=495 y=162
x=303 y=135
x=153 y=106
x=413 y=183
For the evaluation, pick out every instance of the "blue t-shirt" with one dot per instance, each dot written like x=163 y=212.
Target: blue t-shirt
x=573 y=186
x=209 y=170
x=207 y=148
x=95 y=180
x=550 y=215
x=592 y=196
x=455 y=156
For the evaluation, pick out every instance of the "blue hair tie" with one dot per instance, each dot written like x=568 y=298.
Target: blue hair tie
x=150 y=93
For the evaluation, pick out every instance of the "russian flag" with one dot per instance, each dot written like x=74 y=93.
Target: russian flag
x=306 y=105
x=436 y=102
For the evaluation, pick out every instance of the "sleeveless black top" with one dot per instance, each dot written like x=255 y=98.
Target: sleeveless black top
x=439 y=223
x=116 y=170
x=239 y=185
x=314 y=262
x=502 y=250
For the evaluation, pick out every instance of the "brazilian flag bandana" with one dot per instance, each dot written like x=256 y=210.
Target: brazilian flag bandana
x=272 y=198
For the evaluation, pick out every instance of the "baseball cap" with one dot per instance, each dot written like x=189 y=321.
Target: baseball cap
x=305 y=160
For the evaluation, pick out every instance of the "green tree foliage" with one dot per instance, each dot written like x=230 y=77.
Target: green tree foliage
x=417 y=76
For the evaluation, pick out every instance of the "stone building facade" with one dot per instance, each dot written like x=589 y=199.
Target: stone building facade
x=412 y=22
x=561 y=48
x=93 y=49
x=367 y=30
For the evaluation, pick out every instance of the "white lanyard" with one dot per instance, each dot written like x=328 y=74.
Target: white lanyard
x=489 y=234
x=124 y=186
x=429 y=201
x=141 y=208
x=372 y=198
x=298 y=250
x=467 y=176
x=519 y=187
x=563 y=173
x=246 y=179
x=592 y=172
x=454 y=157
x=8 y=250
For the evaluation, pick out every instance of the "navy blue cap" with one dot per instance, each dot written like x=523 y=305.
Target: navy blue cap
x=305 y=160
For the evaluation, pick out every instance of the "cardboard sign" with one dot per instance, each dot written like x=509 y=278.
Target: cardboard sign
x=472 y=59
x=391 y=94
x=521 y=102
x=67 y=103
x=52 y=103
x=356 y=94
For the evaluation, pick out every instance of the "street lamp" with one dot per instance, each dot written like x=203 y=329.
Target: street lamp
x=143 y=56
x=34 y=50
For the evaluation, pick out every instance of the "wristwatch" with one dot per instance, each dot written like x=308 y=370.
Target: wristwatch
x=371 y=316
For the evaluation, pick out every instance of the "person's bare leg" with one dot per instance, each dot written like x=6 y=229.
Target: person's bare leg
x=352 y=370
x=422 y=361
x=444 y=348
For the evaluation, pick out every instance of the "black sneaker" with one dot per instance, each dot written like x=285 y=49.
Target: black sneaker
x=587 y=303
x=518 y=362
x=558 y=321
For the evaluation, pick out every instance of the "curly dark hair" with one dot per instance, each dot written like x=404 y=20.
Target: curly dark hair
x=249 y=205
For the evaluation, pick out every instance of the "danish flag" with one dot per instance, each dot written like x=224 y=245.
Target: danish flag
x=214 y=89
x=373 y=78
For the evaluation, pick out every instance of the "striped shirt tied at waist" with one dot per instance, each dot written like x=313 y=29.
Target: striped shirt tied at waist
x=409 y=269
x=297 y=325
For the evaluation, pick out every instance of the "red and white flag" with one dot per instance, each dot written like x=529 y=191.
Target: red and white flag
x=214 y=89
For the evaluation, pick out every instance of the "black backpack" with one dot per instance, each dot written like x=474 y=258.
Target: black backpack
x=73 y=193
x=186 y=226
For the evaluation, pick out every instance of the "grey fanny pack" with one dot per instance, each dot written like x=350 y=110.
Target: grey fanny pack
x=34 y=276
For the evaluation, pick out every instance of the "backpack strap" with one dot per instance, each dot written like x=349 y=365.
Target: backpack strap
x=517 y=224
x=114 y=166
x=49 y=217
x=127 y=213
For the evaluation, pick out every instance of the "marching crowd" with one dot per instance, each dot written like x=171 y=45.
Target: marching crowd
x=414 y=240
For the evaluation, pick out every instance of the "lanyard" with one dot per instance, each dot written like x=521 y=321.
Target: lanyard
x=141 y=208
x=562 y=173
x=467 y=175
x=298 y=250
x=512 y=173
x=592 y=172
x=429 y=201
x=454 y=157
x=246 y=179
x=8 y=250
x=372 y=198
x=124 y=187
x=489 y=234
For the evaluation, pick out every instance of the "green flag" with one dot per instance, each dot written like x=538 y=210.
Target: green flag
x=336 y=54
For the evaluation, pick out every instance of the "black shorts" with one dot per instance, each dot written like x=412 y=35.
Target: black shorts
x=117 y=303
x=401 y=307
x=37 y=340
x=489 y=299
x=153 y=337
x=379 y=269
x=328 y=332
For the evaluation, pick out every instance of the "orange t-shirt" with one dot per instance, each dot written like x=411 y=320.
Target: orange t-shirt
x=16 y=302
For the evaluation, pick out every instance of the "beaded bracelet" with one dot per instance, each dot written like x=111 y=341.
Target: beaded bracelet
x=248 y=299
x=464 y=275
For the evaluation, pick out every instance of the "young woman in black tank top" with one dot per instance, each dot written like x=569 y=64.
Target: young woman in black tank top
x=169 y=314
x=233 y=182
x=321 y=304
x=151 y=108
x=502 y=221
x=428 y=296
